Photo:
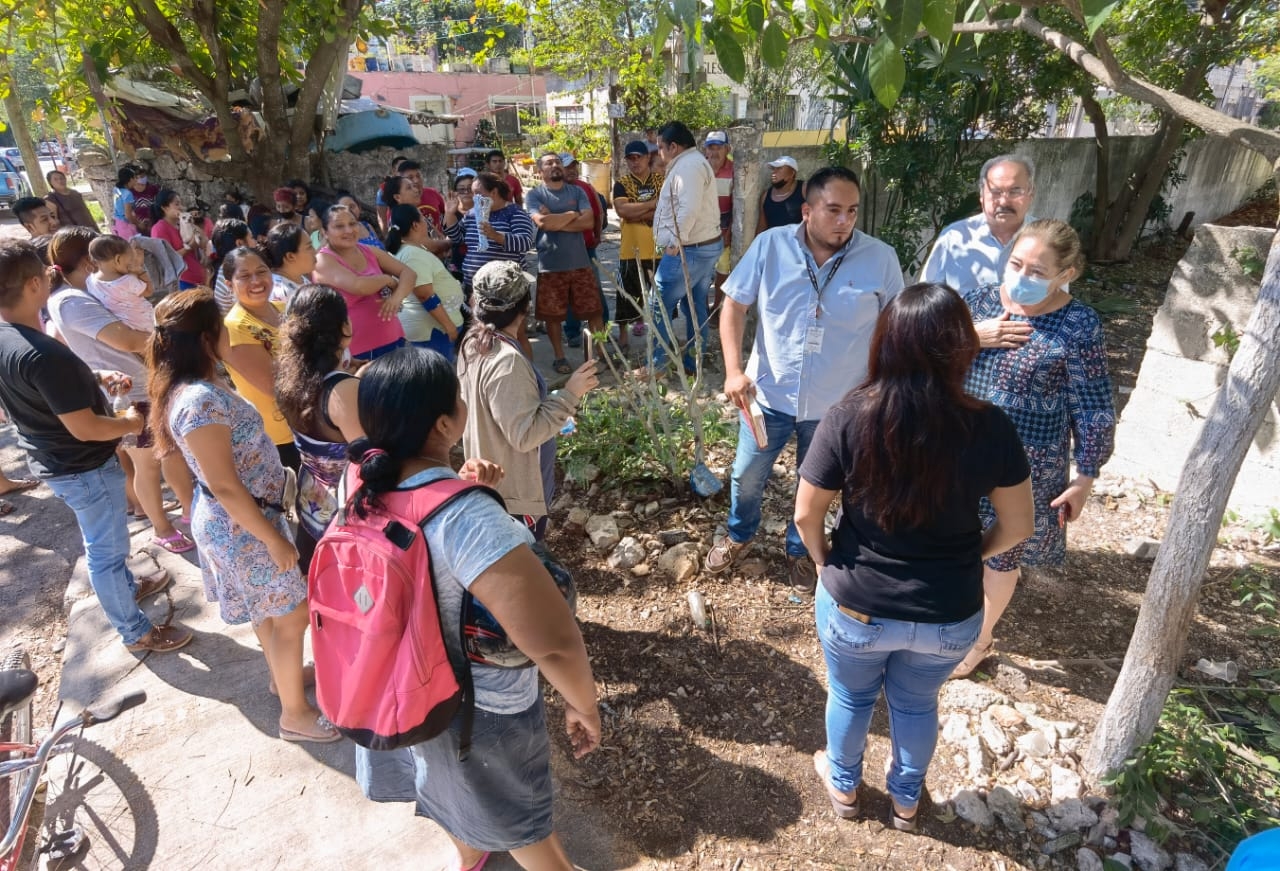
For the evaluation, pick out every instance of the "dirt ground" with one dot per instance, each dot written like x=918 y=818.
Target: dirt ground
x=709 y=733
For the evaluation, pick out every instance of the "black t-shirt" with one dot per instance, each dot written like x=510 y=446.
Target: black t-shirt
x=930 y=573
x=40 y=378
x=779 y=214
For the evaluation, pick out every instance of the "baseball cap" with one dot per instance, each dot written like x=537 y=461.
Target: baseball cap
x=567 y=159
x=784 y=161
x=500 y=284
x=465 y=172
x=716 y=137
x=637 y=146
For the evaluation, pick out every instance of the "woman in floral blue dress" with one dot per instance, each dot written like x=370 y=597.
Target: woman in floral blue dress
x=1055 y=387
x=249 y=562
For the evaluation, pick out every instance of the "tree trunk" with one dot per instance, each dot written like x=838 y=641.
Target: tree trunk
x=746 y=188
x=1102 y=169
x=1164 y=621
x=1120 y=246
x=22 y=133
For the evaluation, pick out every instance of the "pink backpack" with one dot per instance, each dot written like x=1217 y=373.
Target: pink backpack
x=383 y=673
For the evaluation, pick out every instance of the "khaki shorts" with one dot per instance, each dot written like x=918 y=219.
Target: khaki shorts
x=556 y=290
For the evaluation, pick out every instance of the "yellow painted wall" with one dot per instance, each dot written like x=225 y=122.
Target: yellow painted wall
x=796 y=138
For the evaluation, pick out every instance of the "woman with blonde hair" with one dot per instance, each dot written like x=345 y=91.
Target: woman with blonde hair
x=1057 y=390
x=247 y=556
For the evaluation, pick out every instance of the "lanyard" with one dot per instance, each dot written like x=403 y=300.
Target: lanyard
x=813 y=277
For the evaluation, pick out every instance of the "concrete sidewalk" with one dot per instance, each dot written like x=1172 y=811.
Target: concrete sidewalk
x=196 y=777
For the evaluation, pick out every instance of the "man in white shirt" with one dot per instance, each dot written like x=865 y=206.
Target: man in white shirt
x=973 y=252
x=818 y=288
x=686 y=227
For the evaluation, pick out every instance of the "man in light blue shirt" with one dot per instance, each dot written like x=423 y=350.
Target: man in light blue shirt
x=973 y=252
x=819 y=288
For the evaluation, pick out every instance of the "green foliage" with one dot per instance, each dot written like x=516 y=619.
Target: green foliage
x=1251 y=261
x=1227 y=338
x=585 y=142
x=455 y=28
x=1210 y=771
x=612 y=437
x=1252 y=587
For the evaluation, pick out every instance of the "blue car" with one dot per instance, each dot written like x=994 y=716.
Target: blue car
x=12 y=185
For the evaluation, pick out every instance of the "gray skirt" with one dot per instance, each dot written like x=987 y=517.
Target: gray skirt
x=500 y=798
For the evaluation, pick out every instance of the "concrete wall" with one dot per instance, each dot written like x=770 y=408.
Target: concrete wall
x=1182 y=371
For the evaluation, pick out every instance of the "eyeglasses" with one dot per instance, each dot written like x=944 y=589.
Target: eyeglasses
x=1008 y=193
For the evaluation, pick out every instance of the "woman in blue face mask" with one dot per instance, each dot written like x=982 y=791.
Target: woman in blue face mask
x=1055 y=387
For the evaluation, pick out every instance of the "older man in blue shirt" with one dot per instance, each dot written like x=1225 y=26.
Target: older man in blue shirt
x=819 y=287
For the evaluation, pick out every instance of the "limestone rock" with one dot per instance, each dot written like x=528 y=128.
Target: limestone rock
x=603 y=531
x=1035 y=744
x=1064 y=784
x=1060 y=843
x=1006 y=716
x=955 y=728
x=1187 y=862
x=1147 y=854
x=977 y=760
x=578 y=516
x=681 y=562
x=996 y=741
x=965 y=695
x=651 y=508
x=1087 y=860
x=1007 y=808
x=1071 y=815
x=753 y=568
x=1028 y=792
x=641 y=570
x=1142 y=548
x=972 y=809
x=672 y=537
x=628 y=554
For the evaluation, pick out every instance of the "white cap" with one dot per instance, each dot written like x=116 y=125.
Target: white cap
x=716 y=137
x=784 y=161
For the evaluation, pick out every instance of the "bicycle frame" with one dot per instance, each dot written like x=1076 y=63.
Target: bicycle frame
x=35 y=757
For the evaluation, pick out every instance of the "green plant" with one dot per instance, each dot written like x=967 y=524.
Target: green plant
x=1209 y=771
x=1227 y=338
x=1252 y=587
x=585 y=142
x=1251 y=262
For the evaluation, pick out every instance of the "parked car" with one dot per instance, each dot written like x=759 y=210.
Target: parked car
x=14 y=156
x=12 y=185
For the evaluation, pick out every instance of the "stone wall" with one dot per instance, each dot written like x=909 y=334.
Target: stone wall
x=1183 y=370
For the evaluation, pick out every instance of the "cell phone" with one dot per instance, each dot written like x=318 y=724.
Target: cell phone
x=589 y=345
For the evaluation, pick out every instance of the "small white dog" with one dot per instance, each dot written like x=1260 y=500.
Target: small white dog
x=192 y=232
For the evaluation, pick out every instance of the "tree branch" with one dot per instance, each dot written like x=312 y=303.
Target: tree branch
x=319 y=66
x=163 y=32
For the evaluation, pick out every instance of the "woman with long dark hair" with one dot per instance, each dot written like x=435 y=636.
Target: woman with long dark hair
x=168 y=228
x=292 y=257
x=909 y=454
x=514 y=418
x=432 y=315
x=247 y=556
x=373 y=283
x=228 y=235
x=317 y=397
x=500 y=796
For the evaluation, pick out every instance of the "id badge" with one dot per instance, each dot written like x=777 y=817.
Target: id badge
x=813 y=339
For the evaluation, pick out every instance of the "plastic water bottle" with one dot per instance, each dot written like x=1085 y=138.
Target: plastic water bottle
x=569 y=428
x=698 y=609
x=120 y=406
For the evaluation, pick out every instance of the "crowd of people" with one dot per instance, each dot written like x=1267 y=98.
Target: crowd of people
x=944 y=416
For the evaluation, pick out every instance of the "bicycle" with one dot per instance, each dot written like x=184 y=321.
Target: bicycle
x=22 y=763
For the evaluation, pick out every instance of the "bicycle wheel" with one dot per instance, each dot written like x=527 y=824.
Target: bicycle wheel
x=15 y=729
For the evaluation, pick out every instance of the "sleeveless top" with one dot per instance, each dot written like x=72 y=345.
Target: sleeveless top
x=323 y=465
x=368 y=330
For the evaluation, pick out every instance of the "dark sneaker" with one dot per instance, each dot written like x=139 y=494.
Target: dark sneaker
x=802 y=574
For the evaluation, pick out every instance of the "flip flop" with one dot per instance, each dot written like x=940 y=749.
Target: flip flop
x=845 y=810
x=480 y=864
x=176 y=543
x=22 y=485
x=326 y=733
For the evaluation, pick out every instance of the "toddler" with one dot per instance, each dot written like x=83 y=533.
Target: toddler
x=120 y=282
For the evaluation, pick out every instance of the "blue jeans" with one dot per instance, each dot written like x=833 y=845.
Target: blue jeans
x=439 y=342
x=381 y=350
x=97 y=498
x=910 y=661
x=670 y=292
x=751 y=468
x=572 y=323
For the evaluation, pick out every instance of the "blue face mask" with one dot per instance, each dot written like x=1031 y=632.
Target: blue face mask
x=1025 y=289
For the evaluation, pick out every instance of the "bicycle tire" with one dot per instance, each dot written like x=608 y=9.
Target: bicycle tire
x=15 y=729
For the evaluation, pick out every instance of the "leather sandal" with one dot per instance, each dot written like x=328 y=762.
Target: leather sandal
x=905 y=823
x=974 y=658
x=162 y=639
x=723 y=554
x=845 y=810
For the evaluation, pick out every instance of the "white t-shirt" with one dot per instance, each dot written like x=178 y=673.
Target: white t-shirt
x=123 y=298
x=416 y=320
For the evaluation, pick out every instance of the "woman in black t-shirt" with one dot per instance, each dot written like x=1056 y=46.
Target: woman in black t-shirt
x=900 y=603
